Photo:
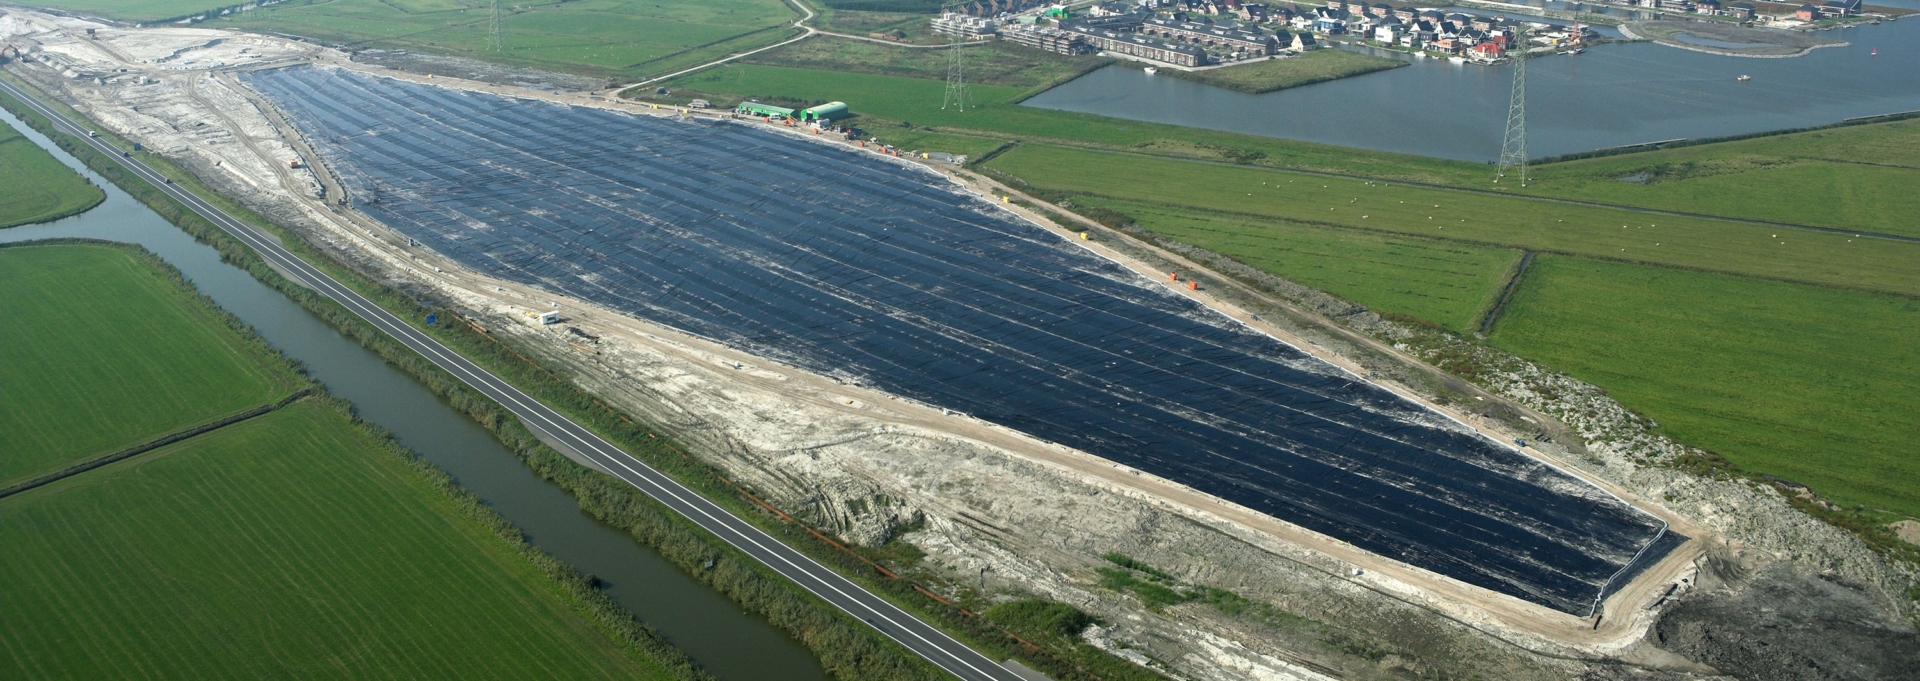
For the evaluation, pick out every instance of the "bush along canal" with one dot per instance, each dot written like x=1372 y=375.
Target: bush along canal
x=701 y=622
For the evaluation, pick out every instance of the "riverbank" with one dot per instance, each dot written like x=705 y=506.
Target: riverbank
x=1713 y=37
x=1317 y=66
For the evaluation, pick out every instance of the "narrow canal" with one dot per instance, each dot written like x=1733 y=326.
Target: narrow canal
x=728 y=643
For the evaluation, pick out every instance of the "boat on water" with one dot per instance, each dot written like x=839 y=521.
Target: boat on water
x=1577 y=50
x=1457 y=60
x=1150 y=70
x=1744 y=78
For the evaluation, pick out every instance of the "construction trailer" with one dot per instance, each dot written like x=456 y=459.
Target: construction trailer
x=764 y=110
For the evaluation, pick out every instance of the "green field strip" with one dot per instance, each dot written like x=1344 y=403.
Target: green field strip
x=1803 y=382
x=1738 y=248
x=151 y=445
x=591 y=36
x=1444 y=282
x=104 y=349
x=38 y=188
x=286 y=546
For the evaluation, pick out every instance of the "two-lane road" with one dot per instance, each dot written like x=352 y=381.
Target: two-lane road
x=923 y=639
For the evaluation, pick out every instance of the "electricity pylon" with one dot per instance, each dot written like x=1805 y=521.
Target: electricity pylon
x=496 y=41
x=957 y=92
x=1513 y=147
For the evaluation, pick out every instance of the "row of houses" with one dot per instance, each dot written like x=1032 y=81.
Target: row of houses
x=1135 y=33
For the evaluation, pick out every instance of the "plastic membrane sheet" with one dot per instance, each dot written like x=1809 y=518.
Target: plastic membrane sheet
x=857 y=266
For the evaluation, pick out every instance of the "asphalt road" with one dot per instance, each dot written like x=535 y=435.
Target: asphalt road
x=897 y=624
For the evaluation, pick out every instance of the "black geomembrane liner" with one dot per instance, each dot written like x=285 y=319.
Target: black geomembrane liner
x=856 y=266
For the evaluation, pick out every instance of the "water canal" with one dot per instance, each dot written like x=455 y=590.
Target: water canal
x=1612 y=95
x=731 y=645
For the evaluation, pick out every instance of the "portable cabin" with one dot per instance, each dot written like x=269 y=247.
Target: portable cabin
x=766 y=110
x=549 y=317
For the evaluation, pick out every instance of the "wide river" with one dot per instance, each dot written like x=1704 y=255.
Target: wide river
x=731 y=645
x=1612 y=95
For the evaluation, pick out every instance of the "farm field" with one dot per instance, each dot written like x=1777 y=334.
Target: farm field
x=38 y=187
x=1803 y=382
x=593 y=37
x=1615 y=234
x=995 y=63
x=134 y=11
x=1857 y=177
x=1278 y=74
x=129 y=356
x=345 y=564
x=298 y=543
x=1447 y=282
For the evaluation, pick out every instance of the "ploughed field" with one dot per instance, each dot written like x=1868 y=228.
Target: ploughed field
x=858 y=266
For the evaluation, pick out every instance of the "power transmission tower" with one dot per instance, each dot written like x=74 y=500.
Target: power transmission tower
x=1513 y=147
x=496 y=41
x=957 y=92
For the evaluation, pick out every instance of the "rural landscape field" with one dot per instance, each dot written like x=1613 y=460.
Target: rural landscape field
x=212 y=552
x=906 y=339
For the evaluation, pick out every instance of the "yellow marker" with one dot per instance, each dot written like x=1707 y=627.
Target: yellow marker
x=1085 y=237
x=1006 y=199
x=656 y=106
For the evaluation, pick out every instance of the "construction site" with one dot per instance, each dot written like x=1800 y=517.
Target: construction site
x=893 y=351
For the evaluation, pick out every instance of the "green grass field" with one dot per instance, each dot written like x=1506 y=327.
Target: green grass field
x=38 y=187
x=134 y=11
x=1858 y=177
x=1807 y=383
x=1279 y=74
x=594 y=37
x=1259 y=194
x=1450 y=283
x=297 y=544
x=102 y=351
x=286 y=546
x=1001 y=64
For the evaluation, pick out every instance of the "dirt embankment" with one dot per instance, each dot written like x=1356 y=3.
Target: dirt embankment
x=991 y=508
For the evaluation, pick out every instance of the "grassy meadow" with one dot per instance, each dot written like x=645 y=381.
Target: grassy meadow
x=1806 y=383
x=1857 y=177
x=1000 y=64
x=593 y=37
x=1448 y=282
x=285 y=546
x=103 y=351
x=1317 y=66
x=1259 y=195
x=296 y=544
x=134 y=11
x=38 y=187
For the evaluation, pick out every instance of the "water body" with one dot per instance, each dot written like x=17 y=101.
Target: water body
x=848 y=264
x=732 y=645
x=1612 y=95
